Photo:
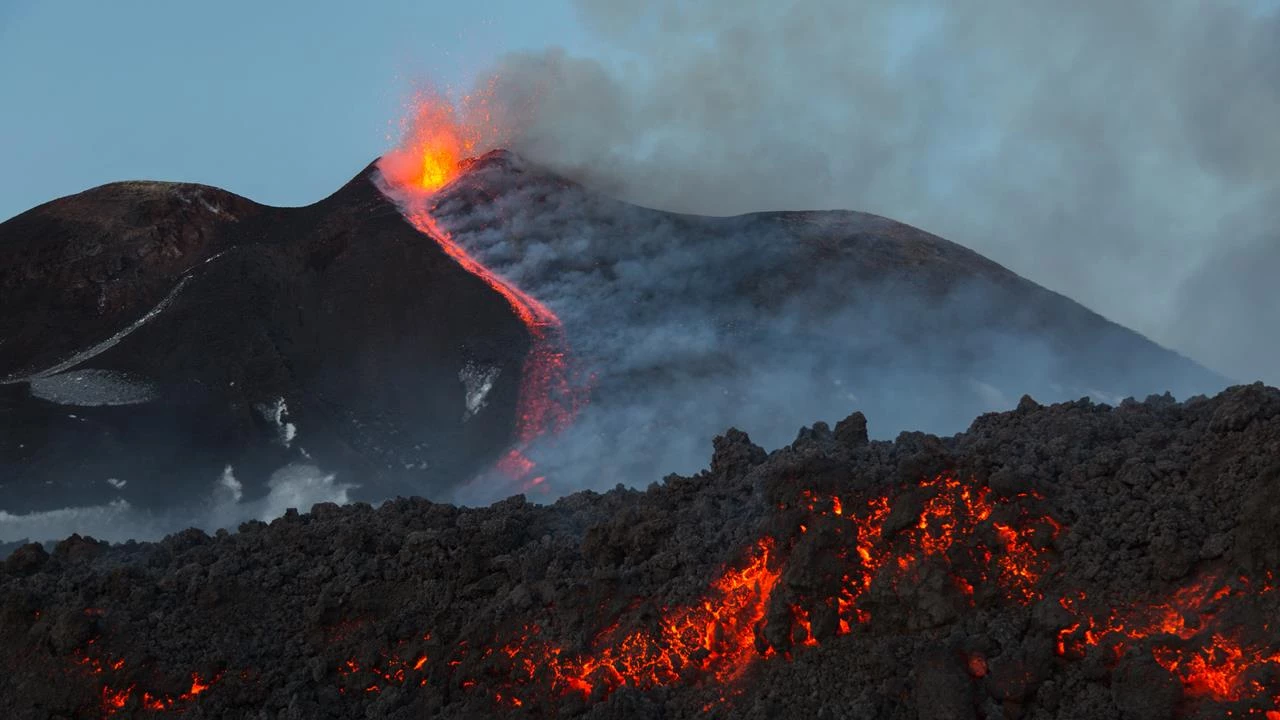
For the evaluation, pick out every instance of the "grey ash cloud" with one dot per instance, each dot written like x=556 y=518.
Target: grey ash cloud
x=1124 y=154
x=769 y=321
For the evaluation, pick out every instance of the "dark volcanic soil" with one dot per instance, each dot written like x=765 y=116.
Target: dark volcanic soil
x=1071 y=561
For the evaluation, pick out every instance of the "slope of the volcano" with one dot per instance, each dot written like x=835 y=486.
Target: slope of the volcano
x=152 y=334
x=766 y=320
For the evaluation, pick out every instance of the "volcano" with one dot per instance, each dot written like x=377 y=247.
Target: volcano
x=508 y=331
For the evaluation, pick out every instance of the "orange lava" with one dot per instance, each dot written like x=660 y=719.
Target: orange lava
x=392 y=670
x=718 y=637
x=714 y=638
x=548 y=400
x=436 y=141
x=995 y=550
x=952 y=526
x=115 y=698
x=1185 y=636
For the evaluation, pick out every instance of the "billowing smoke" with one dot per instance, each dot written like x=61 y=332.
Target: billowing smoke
x=223 y=505
x=686 y=326
x=1123 y=153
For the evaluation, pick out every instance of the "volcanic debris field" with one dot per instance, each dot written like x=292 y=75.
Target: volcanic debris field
x=1071 y=561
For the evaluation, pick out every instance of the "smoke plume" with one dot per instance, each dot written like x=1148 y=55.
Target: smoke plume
x=1124 y=154
x=686 y=326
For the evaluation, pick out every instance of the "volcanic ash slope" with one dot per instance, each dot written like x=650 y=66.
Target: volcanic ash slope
x=1070 y=561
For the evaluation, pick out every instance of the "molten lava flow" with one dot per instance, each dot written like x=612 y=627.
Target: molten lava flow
x=426 y=162
x=1186 y=637
x=392 y=670
x=548 y=401
x=718 y=637
x=883 y=547
x=955 y=526
x=713 y=638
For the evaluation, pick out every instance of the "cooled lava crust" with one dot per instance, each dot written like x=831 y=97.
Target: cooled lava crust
x=1070 y=561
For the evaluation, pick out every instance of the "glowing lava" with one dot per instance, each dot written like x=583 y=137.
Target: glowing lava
x=115 y=699
x=1186 y=637
x=715 y=638
x=955 y=527
x=427 y=161
x=435 y=142
x=882 y=546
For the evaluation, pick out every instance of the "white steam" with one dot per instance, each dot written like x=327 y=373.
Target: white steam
x=693 y=325
x=1123 y=153
x=223 y=506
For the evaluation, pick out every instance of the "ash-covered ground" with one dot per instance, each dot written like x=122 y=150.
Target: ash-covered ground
x=1071 y=561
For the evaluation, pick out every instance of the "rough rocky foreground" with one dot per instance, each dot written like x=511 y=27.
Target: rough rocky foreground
x=1072 y=561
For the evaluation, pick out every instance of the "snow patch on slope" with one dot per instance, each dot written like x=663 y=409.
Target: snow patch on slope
x=93 y=388
x=477 y=380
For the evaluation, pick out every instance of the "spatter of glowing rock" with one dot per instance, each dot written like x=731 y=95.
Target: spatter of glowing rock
x=117 y=699
x=980 y=539
x=1188 y=637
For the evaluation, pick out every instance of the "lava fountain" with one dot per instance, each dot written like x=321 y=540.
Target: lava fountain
x=436 y=144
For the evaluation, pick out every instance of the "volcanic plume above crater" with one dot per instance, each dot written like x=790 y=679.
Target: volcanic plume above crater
x=464 y=325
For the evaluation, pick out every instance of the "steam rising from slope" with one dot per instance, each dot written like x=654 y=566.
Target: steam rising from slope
x=222 y=506
x=1121 y=153
x=690 y=325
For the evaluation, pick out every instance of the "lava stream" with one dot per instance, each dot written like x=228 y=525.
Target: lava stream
x=427 y=160
x=547 y=401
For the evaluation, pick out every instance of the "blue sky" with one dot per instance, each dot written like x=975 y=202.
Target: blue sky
x=281 y=101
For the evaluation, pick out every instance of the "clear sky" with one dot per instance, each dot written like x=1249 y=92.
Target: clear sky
x=278 y=100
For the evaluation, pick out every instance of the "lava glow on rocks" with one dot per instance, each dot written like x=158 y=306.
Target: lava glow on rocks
x=714 y=640
x=119 y=697
x=1189 y=635
x=955 y=529
x=953 y=539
